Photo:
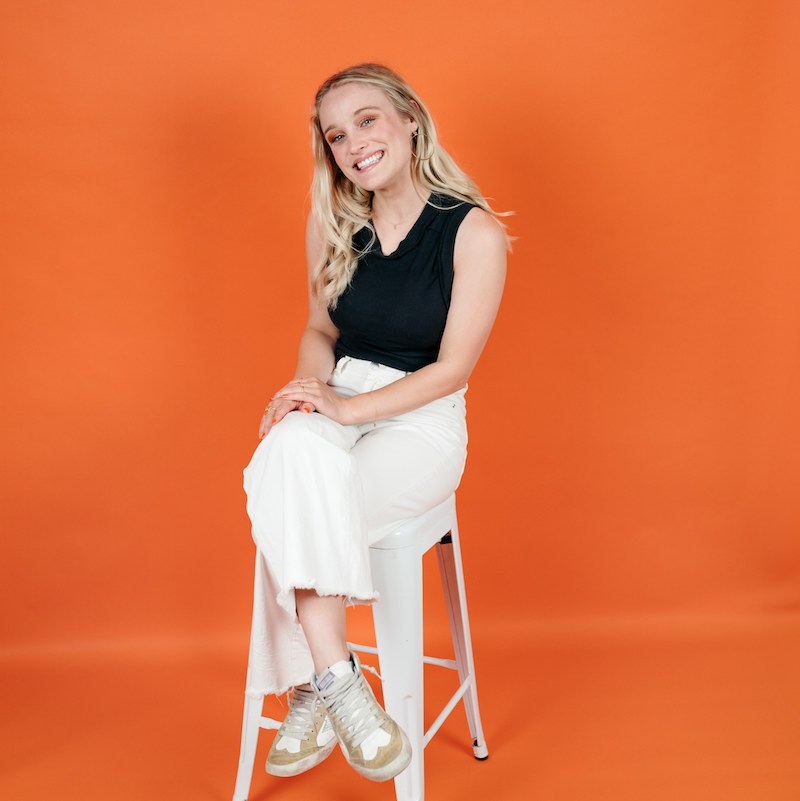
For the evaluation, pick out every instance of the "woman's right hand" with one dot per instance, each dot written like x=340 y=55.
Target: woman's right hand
x=276 y=410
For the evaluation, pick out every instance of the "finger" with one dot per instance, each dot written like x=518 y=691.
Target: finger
x=265 y=425
x=299 y=397
x=305 y=389
x=298 y=384
x=268 y=419
x=275 y=405
x=281 y=404
x=291 y=386
x=282 y=410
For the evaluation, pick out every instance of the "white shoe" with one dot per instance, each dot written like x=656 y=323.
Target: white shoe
x=373 y=744
x=305 y=737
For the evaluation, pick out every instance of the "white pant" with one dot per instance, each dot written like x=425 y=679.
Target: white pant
x=319 y=493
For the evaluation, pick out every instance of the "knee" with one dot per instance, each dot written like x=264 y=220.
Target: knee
x=301 y=428
x=301 y=448
x=299 y=436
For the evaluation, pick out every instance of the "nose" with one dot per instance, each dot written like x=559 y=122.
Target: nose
x=357 y=143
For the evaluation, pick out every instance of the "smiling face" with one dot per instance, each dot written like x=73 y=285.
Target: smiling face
x=369 y=140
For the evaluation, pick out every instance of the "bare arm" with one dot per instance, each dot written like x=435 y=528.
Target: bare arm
x=315 y=351
x=480 y=266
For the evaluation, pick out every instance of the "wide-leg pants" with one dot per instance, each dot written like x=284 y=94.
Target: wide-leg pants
x=319 y=493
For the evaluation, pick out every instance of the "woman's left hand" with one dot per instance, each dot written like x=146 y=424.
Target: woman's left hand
x=324 y=398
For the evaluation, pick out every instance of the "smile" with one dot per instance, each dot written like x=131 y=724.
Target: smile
x=368 y=162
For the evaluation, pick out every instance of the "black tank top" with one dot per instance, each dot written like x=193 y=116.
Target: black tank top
x=395 y=309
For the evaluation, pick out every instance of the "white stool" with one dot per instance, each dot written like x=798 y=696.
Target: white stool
x=396 y=563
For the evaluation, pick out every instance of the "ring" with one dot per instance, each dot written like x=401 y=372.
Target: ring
x=269 y=409
x=302 y=388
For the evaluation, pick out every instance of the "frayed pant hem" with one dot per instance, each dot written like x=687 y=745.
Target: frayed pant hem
x=286 y=596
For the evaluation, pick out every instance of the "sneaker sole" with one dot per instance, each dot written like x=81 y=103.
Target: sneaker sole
x=302 y=765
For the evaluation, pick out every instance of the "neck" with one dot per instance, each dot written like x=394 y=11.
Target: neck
x=397 y=205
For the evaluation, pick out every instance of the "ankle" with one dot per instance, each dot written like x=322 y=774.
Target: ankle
x=329 y=659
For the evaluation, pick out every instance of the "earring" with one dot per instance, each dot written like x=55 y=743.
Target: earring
x=414 y=145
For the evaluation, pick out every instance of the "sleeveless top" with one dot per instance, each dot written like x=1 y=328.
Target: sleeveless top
x=395 y=309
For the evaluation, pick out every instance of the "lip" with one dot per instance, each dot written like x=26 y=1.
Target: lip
x=369 y=155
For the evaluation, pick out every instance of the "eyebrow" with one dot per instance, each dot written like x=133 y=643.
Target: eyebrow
x=355 y=114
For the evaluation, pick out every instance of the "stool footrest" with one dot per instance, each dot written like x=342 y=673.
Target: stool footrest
x=451 y=664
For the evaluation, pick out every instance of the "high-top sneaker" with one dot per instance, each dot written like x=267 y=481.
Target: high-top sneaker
x=371 y=741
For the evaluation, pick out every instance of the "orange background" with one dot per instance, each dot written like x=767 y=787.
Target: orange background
x=630 y=508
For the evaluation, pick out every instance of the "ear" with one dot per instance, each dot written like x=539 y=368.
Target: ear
x=416 y=108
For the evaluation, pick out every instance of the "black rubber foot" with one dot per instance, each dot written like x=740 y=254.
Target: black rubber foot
x=480 y=759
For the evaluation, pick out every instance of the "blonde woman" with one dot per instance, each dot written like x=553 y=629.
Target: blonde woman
x=406 y=265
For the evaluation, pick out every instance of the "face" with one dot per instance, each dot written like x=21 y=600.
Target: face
x=370 y=141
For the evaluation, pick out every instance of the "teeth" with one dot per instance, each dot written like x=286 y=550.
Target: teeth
x=371 y=160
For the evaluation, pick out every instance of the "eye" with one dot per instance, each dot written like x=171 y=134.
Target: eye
x=367 y=121
x=334 y=139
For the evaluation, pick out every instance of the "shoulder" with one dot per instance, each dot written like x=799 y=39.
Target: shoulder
x=479 y=235
x=474 y=224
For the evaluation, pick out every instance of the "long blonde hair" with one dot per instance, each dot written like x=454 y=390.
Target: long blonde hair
x=341 y=208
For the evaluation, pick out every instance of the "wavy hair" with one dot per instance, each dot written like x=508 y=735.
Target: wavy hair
x=341 y=208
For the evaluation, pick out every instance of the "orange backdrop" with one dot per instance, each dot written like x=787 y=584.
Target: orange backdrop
x=635 y=440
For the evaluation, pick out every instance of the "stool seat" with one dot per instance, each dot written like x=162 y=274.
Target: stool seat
x=396 y=563
x=422 y=532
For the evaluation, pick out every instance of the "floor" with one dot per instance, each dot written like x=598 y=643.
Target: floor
x=637 y=710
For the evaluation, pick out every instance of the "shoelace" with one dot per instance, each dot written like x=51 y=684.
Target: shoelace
x=300 y=719
x=372 y=670
x=353 y=704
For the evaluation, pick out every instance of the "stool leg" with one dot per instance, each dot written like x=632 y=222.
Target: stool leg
x=452 y=572
x=251 y=721
x=397 y=574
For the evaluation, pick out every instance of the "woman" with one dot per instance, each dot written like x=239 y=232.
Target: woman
x=406 y=265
